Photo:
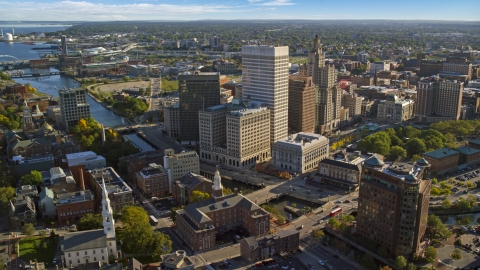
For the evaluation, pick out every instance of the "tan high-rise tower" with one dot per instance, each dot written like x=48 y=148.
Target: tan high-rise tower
x=301 y=104
x=329 y=95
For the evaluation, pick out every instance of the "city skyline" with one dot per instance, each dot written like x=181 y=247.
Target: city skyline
x=106 y=10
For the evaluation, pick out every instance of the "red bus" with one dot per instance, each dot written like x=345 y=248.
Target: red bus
x=336 y=211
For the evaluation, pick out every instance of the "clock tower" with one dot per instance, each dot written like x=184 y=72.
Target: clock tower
x=107 y=213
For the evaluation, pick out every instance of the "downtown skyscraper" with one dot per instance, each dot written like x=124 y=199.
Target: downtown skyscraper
x=265 y=80
x=329 y=95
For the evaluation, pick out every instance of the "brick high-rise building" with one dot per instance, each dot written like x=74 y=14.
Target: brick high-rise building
x=438 y=100
x=301 y=104
x=393 y=205
x=265 y=80
x=196 y=92
x=329 y=94
x=153 y=181
x=430 y=67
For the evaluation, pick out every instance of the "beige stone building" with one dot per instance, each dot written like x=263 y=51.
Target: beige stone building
x=301 y=104
x=301 y=152
x=172 y=120
x=353 y=102
x=236 y=134
x=394 y=109
x=180 y=164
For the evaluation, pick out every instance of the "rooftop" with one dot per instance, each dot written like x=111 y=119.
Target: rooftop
x=83 y=240
x=302 y=139
x=407 y=172
x=74 y=197
x=441 y=153
x=113 y=182
x=467 y=150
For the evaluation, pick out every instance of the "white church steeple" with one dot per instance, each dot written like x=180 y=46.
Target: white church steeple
x=107 y=213
x=217 y=189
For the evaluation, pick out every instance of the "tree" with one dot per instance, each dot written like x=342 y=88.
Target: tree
x=400 y=262
x=378 y=142
x=318 y=234
x=430 y=253
x=446 y=203
x=281 y=219
x=415 y=146
x=42 y=234
x=6 y=194
x=294 y=205
x=386 y=267
x=382 y=251
x=139 y=236
x=126 y=79
x=457 y=254
x=90 y=222
x=411 y=266
x=334 y=222
x=368 y=262
x=198 y=195
x=33 y=178
x=416 y=157
x=397 y=152
x=28 y=230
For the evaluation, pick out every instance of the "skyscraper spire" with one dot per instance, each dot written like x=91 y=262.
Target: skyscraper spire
x=103 y=135
x=107 y=213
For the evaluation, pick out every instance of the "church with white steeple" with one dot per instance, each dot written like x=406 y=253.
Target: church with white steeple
x=98 y=245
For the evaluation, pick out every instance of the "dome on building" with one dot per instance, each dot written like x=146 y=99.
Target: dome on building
x=422 y=162
x=47 y=127
x=391 y=97
x=374 y=162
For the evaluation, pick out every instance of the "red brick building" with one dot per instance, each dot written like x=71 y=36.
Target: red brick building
x=182 y=189
x=153 y=181
x=72 y=206
x=442 y=160
x=468 y=155
x=17 y=89
x=199 y=223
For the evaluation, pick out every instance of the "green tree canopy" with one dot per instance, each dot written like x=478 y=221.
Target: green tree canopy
x=318 y=234
x=378 y=142
x=139 y=236
x=430 y=253
x=32 y=178
x=198 y=195
x=6 y=194
x=415 y=146
x=397 y=153
x=90 y=222
x=400 y=262
x=28 y=229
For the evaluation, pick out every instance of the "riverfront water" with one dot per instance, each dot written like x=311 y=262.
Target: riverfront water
x=30 y=27
x=100 y=113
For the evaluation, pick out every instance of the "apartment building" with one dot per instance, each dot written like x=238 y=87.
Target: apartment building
x=301 y=152
x=153 y=181
x=301 y=104
x=236 y=134
x=393 y=206
x=438 y=100
x=73 y=106
x=338 y=173
x=180 y=164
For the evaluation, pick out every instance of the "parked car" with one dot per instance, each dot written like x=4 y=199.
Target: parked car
x=238 y=237
x=321 y=262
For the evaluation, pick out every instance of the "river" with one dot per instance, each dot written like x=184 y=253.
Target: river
x=47 y=84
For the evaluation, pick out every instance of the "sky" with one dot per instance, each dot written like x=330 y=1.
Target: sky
x=125 y=10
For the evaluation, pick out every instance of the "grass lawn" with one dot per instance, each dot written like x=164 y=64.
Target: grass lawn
x=31 y=249
x=298 y=60
x=169 y=86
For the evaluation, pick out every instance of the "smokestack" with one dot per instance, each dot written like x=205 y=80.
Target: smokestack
x=82 y=181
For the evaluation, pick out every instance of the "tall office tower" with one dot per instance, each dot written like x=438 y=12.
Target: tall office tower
x=329 y=95
x=265 y=79
x=393 y=205
x=73 y=106
x=64 y=44
x=196 y=92
x=301 y=104
x=438 y=100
